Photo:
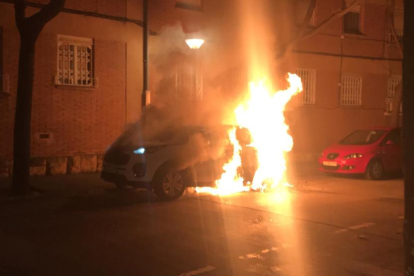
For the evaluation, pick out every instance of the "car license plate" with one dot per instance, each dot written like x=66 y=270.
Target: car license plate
x=330 y=163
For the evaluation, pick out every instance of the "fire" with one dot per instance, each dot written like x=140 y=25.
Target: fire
x=262 y=114
x=230 y=181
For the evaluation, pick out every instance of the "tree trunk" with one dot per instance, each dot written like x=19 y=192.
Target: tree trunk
x=29 y=29
x=21 y=147
x=408 y=135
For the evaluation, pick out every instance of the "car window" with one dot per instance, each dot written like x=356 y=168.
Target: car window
x=363 y=137
x=394 y=137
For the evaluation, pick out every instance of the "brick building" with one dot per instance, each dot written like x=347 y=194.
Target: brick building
x=88 y=67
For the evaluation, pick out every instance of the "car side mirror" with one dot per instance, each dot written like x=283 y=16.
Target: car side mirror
x=389 y=142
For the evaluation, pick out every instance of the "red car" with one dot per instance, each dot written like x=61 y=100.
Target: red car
x=373 y=152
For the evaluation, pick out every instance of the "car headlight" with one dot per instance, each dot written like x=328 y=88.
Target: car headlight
x=147 y=150
x=139 y=151
x=353 y=156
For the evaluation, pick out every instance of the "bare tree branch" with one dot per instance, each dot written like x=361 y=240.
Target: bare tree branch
x=20 y=13
x=47 y=13
x=314 y=31
x=308 y=17
x=394 y=34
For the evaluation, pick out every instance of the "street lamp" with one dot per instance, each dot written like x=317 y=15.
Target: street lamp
x=195 y=44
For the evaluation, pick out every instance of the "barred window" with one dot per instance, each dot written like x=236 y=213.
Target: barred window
x=393 y=83
x=308 y=77
x=190 y=4
x=74 y=61
x=351 y=90
x=188 y=82
x=391 y=38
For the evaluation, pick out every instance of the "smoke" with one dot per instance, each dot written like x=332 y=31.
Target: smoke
x=174 y=107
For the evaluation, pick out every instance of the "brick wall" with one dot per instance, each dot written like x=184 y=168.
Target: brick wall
x=7 y=109
x=77 y=120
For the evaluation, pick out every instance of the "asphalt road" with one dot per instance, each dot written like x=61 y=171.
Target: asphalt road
x=79 y=225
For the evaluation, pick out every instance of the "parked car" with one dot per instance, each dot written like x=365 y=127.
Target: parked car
x=169 y=161
x=373 y=152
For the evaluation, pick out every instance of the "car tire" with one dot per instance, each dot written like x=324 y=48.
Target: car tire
x=169 y=184
x=375 y=170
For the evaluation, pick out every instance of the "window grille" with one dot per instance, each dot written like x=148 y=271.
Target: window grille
x=393 y=82
x=351 y=90
x=75 y=61
x=308 y=77
x=391 y=39
x=188 y=82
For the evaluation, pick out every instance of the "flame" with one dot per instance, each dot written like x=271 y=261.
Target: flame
x=230 y=182
x=262 y=114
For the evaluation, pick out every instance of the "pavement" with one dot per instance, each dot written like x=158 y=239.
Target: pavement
x=324 y=225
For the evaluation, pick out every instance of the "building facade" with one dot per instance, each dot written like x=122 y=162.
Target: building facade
x=88 y=68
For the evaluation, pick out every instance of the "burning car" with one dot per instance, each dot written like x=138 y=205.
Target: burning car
x=169 y=161
x=372 y=152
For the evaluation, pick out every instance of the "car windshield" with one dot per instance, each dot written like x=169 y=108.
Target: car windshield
x=362 y=137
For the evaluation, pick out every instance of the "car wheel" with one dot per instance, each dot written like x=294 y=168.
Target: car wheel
x=169 y=184
x=375 y=170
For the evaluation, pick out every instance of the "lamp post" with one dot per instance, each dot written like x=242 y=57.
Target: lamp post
x=145 y=98
x=195 y=44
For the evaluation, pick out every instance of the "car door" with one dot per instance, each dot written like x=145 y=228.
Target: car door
x=203 y=166
x=211 y=169
x=390 y=151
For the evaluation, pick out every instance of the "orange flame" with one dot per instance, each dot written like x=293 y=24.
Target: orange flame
x=230 y=181
x=262 y=114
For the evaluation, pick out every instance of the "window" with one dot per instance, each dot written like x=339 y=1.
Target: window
x=351 y=90
x=74 y=61
x=308 y=77
x=188 y=82
x=398 y=21
x=196 y=5
x=352 y=20
x=393 y=83
x=391 y=39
